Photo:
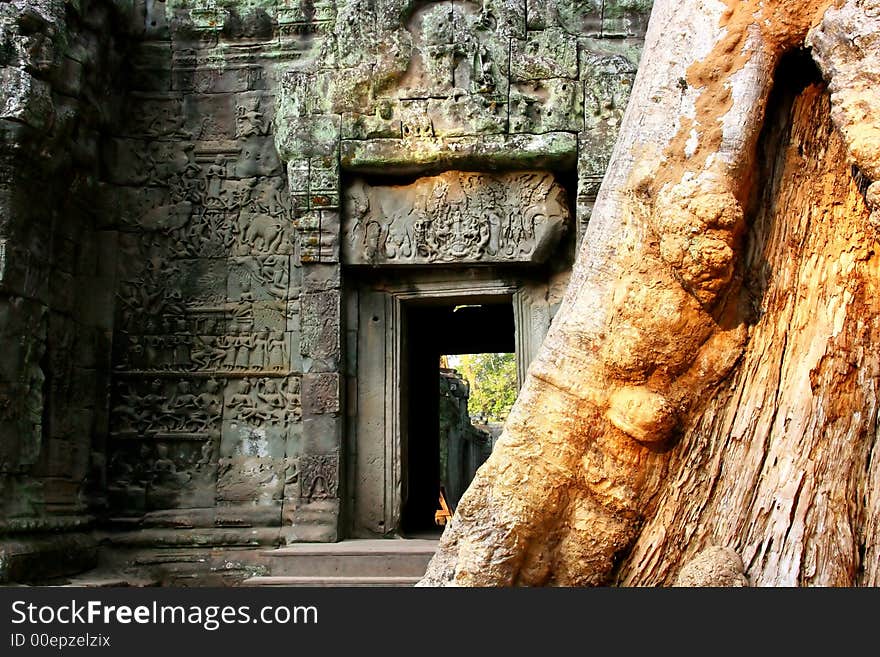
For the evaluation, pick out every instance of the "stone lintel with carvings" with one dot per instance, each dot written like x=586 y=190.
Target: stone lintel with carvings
x=455 y=218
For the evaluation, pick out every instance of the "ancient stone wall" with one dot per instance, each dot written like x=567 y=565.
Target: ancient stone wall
x=56 y=281
x=205 y=413
x=172 y=259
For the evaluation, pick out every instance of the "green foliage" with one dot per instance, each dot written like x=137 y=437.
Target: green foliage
x=492 y=379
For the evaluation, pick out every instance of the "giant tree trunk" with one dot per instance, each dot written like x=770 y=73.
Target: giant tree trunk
x=708 y=390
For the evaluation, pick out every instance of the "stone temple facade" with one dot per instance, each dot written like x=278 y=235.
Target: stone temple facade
x=235 y=236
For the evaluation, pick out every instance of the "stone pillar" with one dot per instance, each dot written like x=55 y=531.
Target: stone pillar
x=312 y=505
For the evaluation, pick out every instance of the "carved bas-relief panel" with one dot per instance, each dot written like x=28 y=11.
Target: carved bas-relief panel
x=455 y=218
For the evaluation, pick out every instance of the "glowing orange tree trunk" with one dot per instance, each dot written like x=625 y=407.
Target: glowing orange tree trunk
x=705 y=404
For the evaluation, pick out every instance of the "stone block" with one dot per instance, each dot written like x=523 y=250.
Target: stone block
x=315 y=521
x=369 y=126
x=324 y=183
x=543 y=106
x=307 y=136
x=508 y=16
x=296 y=360
x=150 y=68
x=594 y=152
x=88 y=346
x=179 y=477
x=625 y=18
x=320 y=325
x=86 y=255
x=198 y=282
x=258 y=158
x=96 y=308
x=248 y=514
x=200 y=79
x=298 y=177
x=23 y=327
x=582 y=17
x=159 y=117
x=62 y=292
x=69 y=79
x=454 y=218
x=28 y=100
x=321 y=433
x=258 y=480
x=552 y=150
x=294 y=440
x=549 y=53
x=258 y=415
x=179 y=518
x=258 y=278
x=293 y=320
x=260 y=317
x=480 y=59
x=254 y=114
x=416 y=120
x=155 y=20
x=321 y=393
x=321 y=278
x=23 y=275
x=126 y=161
x=351 y=350
x=38 y=559
x=210 y=116
x=474 y=114
x=318 y=476
x=605 y=100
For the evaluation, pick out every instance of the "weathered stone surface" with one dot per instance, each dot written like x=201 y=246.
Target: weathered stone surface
x=256 y=480
x=552 y=150
x=455 y=218
x=171 y=252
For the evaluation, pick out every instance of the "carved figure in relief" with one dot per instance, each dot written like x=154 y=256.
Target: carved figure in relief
x=207 y=454
x=244 y=344
x=125 y=415
x=266 y=402
x=122 y=471
x=244 y=403
x=484 y=81
x=183 y=400
x=227 y=345
x=318 y=476
x=271 y=396
x=277 y=353
x=165 y=470
x=215 y=173
x=455 y=217
x=274 y=271
x=261 y=232
x=257 y=356
x=249 y=120
x=208 y=405
x=167 y=121
x=202 y=354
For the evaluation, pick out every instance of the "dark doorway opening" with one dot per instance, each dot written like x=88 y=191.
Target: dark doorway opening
x=453 y=326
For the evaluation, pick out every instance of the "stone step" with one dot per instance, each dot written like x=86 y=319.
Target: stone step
x=100 y=582
x=326 y=582
x=395 y=558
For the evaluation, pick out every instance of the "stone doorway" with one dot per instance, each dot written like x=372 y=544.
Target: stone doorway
x=436 y=327
x=412 y=251
x=398 y=326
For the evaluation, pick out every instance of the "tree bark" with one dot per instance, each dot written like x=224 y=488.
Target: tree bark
x=709 y=381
